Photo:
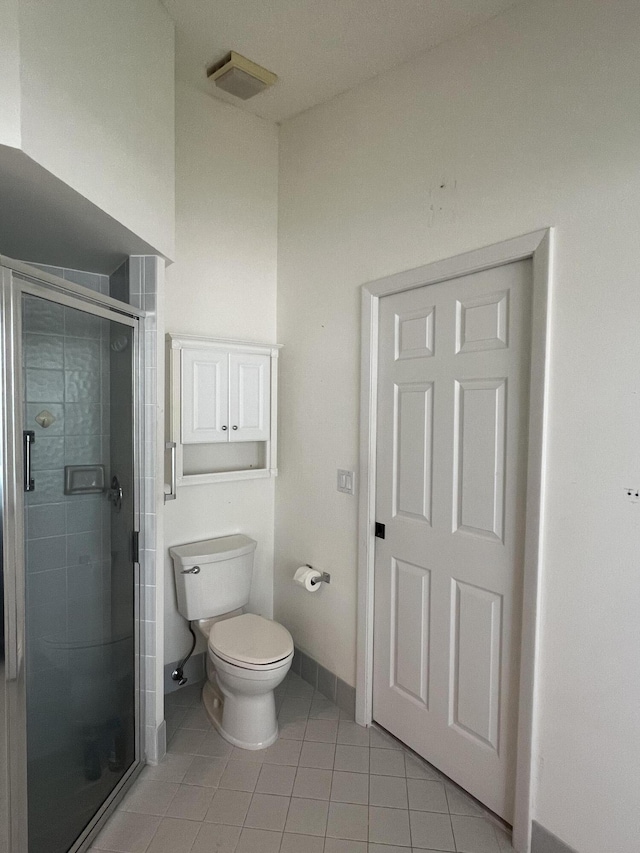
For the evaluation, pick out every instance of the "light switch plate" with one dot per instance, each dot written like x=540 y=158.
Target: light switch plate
x=346 y=481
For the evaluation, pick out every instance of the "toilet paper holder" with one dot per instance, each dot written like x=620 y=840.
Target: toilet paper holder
x=325 y=578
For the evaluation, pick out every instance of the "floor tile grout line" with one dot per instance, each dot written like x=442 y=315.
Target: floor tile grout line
x=288 y=810
x=453 y=835
x=307 y=699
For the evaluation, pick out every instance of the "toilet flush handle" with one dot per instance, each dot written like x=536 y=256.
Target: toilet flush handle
x=194 y=570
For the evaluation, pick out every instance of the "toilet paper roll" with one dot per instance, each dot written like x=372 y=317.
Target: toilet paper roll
x=309 y=578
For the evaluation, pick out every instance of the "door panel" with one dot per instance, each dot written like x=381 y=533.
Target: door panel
x=479 y=457
x=414 y=333
x=411 y=614
x=482 y=322
x=476 y=646
x=413 y=451
x=453 y=369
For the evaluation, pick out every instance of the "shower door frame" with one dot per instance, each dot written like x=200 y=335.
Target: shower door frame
x=16 y=280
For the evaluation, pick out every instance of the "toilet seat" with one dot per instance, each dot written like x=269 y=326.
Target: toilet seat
x=251 y=642
x=258 y=669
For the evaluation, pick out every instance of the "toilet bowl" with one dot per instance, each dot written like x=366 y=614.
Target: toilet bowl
x=248 y=656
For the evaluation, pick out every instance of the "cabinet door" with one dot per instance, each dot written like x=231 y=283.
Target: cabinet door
x=205 y=396
x=249 y=394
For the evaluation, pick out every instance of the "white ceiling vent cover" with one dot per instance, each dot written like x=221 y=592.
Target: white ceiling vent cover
x=241 y=77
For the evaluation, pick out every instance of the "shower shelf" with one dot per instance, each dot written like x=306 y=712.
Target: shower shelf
x=222 y=410
x=83 y=479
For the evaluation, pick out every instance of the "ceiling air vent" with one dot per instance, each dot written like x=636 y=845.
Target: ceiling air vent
x=240 y=77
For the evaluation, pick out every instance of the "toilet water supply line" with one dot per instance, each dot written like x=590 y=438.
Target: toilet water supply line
x=178 y=673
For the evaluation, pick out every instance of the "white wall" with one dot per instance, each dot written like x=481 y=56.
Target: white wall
x=97 y=101
x=9 y=74
x=223 y=284
x=529 y=121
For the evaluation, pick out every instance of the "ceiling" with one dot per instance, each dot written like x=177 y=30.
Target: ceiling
x=318 y=48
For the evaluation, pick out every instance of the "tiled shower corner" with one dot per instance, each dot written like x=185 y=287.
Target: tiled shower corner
x=67 y=537
x=146 y=280
x=139 y=281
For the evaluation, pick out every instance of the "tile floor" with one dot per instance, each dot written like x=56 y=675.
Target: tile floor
x=326 y=786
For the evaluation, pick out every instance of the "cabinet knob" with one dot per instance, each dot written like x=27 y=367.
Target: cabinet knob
x=235 y=427
x=224 y=428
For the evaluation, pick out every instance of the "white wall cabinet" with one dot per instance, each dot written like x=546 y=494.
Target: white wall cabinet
x=222 y=409
x=225 y=396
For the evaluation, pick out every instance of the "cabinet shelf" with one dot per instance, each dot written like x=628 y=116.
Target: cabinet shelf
x=222 y=413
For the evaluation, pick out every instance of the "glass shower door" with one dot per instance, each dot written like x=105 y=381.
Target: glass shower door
x=80 y=605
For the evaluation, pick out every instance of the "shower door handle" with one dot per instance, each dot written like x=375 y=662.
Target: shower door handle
x=29 y=438
x=115 y=493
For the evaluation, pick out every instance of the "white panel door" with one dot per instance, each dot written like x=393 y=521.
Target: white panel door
x=453 y=385
x=249 y=396
x=205 y=395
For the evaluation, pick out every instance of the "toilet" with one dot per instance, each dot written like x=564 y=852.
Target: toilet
x=248 y=656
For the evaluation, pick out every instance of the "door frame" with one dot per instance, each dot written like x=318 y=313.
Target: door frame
x=538 y=246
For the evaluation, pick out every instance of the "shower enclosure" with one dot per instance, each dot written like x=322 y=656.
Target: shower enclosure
x=70 y=640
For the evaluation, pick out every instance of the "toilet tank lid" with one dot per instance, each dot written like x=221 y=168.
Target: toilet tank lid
x=213 y=550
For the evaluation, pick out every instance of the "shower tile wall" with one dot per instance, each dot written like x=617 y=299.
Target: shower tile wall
x=144 y=275
x=138 y=282
x=68 y=549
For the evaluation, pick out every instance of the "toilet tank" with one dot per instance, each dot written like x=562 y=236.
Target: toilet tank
x=213 y=576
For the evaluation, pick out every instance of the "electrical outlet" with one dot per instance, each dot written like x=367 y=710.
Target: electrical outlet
x=633 y=494
x=346 y=481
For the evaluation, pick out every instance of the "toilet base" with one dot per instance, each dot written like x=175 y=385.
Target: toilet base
x=218 y=706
